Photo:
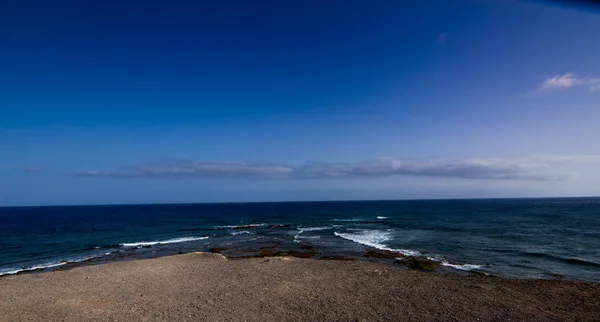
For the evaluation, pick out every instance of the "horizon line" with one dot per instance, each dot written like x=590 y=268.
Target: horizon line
x=293 y=201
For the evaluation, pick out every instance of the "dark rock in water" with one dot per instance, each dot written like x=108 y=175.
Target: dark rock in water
x=266 y=251
x=339 y=258
x=378 y=253
x=180 y=252
x=419 y=263
x=217 y=250
x=147 y=246
x=250 y=253
x=557 y=275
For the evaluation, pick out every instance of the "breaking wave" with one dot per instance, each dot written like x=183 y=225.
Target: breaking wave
x=241 y=232
x=52 y=264
x=239 y=226
x=161 y=242
x=301 y=230
x=462 y=267
x=375 y=239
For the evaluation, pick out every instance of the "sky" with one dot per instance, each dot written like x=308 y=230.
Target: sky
x=113 y=102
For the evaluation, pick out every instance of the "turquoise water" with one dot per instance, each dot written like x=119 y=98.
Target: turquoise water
x=517 y=238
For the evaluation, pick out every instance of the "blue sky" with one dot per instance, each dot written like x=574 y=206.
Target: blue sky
x=134 y=102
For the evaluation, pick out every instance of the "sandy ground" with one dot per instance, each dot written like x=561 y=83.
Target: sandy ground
x=208 y=287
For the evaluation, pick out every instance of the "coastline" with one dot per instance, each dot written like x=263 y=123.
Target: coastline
x=208 y=286
x=455 y=237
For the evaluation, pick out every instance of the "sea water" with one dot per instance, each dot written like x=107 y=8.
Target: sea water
x=514 y=238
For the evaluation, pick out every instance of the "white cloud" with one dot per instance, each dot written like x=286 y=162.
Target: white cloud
x=541 y=168
x=594 y=84
x=578 y=158
x=191 y=168
x=524 y=169
x=569 y=80
x=558 y=82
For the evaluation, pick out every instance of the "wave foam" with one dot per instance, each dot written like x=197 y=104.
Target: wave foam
x=375 y=239
x=160 y=242
x=462 y=267
x=11 y=271
x=297 y=237
x=303 y=229
x=381 y=217
x=239 y=226
x=308 y=237
x=242 y=232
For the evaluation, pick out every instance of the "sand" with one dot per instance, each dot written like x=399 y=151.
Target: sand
x=209 y=287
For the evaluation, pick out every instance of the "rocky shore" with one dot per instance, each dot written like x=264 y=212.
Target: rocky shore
x=284 y=287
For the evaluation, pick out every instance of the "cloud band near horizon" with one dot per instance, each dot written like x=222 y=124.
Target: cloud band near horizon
x=537 y=169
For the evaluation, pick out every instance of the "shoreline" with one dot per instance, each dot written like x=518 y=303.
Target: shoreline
x=460 y=235
x=208 y=286
x=371 y=255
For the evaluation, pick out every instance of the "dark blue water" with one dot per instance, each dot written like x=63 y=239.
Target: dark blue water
x=517 y=238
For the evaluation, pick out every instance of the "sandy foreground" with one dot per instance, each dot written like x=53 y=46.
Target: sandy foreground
x=208 y=287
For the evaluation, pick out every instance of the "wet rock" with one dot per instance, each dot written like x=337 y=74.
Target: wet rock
x=217 y=250
x=250 y=253
x=378 y=253
x=419 y=263
x=309 y=254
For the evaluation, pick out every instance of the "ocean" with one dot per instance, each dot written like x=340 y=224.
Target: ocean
x=551 y=238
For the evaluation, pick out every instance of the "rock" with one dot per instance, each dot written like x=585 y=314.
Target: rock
x=217 y=250
x=419 y=263
x=378 y=253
